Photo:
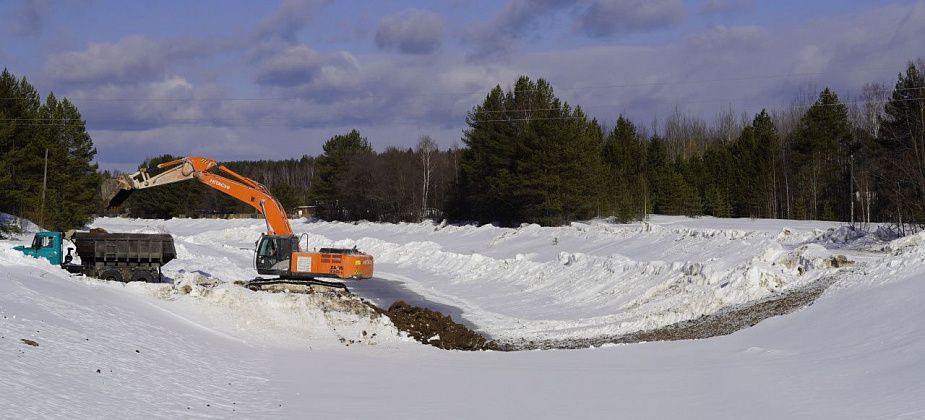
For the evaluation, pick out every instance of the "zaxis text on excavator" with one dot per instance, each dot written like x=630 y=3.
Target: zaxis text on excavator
x=278 y=250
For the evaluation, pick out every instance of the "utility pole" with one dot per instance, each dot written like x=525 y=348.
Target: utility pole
x=44 y=186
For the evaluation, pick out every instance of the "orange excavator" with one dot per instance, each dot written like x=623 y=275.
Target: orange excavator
x=278 y=250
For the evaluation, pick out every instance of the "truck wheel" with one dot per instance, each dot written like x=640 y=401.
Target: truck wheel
x=141 y=275
x=111 y=275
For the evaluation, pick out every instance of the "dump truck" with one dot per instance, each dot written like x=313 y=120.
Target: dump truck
x=109 y=256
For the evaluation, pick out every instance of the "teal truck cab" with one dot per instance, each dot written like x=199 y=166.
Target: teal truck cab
x=108 y=256
x=47 y=245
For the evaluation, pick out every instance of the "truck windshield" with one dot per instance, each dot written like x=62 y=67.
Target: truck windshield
x=41 y=242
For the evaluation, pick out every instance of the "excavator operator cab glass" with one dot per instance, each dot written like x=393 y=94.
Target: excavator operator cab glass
x=274 y=253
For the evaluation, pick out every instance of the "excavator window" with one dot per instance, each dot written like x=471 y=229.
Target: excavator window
x=267 y=247
x=274 y=252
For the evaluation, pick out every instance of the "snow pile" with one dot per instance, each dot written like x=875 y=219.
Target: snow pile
x=912 y=244
x=17 y=225
x=276 y=319
x=901 y=256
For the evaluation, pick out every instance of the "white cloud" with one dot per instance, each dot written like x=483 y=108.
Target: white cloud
x=299 y=65
x=412 y=31
x=734 y=38
x=132 y=58
x=710 y=7
x=606 y=18
x=497 y=37
x=289 y=18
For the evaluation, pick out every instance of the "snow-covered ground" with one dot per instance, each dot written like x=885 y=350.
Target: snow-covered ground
x=186 y=350
x=580 y=281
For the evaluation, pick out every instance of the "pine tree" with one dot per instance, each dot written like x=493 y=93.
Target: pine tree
x=901 y=151
x=29 y=128
x=718 y=181
x=19 y=105
x=73 y=178
x=624 y=186
x=819 y=155
x=529 y=158
x=330 y=169
x=287 y=195
x=755 y=151
x=484 y=187
x=658 y=175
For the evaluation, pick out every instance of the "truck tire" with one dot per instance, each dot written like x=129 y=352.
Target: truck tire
x=111 y=275
x=143 y=275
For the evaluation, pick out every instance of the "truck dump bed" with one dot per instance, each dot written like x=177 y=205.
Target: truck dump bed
x=124 y=248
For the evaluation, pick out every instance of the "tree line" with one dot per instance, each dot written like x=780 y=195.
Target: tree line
x=530 y=157
x=349 y=181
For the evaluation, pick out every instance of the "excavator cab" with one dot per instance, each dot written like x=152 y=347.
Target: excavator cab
x=274 y=253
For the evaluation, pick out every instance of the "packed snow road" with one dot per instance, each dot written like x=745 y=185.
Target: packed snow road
x=203 y=348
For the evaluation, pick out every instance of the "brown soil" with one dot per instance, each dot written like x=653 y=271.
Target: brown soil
x=424 y=325
x=436 y=329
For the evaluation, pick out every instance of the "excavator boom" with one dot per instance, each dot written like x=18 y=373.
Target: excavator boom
x=244 y=189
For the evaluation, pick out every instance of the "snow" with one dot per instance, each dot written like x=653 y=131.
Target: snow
x=208 y=348
x=586 y=279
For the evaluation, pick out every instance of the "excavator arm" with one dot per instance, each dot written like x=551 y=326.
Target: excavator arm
x=240 y=187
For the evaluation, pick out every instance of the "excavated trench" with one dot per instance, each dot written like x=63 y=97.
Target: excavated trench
x=434 y=328
x=431 y=325
x=723 y=322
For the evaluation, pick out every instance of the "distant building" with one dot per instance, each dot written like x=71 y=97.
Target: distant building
x=304 y=211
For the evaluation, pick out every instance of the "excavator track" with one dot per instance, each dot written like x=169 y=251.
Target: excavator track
x=279 y=283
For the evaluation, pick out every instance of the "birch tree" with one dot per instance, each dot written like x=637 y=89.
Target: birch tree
x=426 y=149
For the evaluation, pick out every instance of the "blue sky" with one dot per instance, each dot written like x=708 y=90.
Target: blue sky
x=247 y=80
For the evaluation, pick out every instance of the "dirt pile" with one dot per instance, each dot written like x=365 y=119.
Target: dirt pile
x=432 y=327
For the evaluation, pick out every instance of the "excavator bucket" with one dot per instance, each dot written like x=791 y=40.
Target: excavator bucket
x=119 y=198
x=114 y=192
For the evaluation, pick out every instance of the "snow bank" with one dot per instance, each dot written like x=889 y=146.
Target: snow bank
x=274 y=319
x=24 y=225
